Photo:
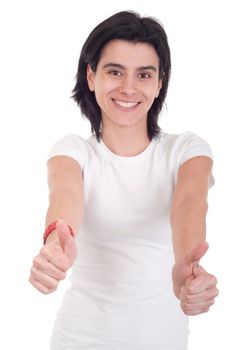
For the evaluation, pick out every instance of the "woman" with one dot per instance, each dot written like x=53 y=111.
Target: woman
x=127 y=207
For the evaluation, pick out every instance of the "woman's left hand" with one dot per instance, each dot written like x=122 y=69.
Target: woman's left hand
x=193 y=286
x=198 y=293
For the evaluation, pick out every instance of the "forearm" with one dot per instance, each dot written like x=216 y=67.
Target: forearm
x=188 y=222
x=66 y=205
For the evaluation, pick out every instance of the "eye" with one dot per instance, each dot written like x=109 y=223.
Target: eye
x=115 y=73
x=144 y=75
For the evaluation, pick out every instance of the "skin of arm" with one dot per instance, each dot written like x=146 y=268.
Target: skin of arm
x=66 y=197
x=193 y=286
x=190 y=206
x=66 y=206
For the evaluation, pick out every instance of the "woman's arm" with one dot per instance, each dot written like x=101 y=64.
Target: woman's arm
x=66 y=203
x=66 y=197
x=195 y=287
x=189 y=205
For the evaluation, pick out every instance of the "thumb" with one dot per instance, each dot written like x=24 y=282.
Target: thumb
x=198 y=252
x=67 y=242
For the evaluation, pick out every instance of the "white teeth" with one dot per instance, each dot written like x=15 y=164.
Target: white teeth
x=125 y=104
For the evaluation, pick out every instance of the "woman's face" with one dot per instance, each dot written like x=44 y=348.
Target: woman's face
x=126 y=82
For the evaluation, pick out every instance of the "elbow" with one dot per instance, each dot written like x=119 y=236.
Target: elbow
x=64 y=194
x=189 y=207
x=68 y=202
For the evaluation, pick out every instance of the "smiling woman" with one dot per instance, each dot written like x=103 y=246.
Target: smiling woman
x=125 y=90
x=128 y=30
x=133 y=203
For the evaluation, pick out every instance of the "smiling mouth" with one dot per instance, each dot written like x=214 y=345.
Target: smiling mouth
x=125 y=104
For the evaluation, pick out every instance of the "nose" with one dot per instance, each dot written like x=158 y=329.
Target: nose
x=128 y=86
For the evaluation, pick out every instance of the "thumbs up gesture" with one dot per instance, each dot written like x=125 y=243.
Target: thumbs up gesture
x=54 y=259
x=193 y=286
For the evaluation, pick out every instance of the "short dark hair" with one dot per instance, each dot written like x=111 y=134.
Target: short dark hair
x=129 y=26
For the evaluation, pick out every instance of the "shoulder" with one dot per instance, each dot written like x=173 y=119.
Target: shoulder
x=183 y=137
x=178 y=148
x=71 y=145
x=186 y=144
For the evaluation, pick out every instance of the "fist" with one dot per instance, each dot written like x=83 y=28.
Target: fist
x=54 y=259
x=198 y=293
x=192 y=285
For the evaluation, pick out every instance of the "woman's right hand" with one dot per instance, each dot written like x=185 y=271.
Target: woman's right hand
x=55 y=258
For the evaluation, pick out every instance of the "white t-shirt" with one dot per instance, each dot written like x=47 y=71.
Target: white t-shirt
x=121 y=296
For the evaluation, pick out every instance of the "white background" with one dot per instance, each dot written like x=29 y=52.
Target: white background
x=40 y=47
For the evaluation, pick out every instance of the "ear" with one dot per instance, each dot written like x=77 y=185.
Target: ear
x=90 y=77
x=159 y=88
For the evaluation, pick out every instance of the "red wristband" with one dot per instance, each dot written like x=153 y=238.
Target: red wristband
x=51 y=228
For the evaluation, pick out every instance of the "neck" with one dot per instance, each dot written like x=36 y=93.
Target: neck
x=125 y=142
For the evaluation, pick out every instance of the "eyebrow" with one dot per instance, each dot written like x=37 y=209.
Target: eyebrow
x=117 y=65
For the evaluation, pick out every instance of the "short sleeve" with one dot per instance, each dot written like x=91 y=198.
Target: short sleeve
x=72 y=146
x=191 y=145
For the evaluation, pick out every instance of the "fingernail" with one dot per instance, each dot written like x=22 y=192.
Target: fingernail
x=196 y=268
